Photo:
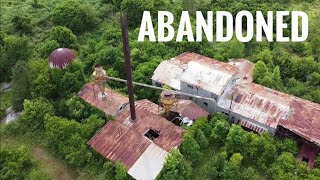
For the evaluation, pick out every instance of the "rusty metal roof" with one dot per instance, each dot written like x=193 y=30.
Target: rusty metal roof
x=187 y=57
x=117 y=142
x=190 y=109
x=272 y=108
x=196 y=70
x=123 y=140
x=256 y=102
x=110 y=105
x=304 y=119
x=170 y=134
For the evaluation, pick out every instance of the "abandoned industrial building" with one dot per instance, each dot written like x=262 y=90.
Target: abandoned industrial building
x=254 y=107
x=204 y=86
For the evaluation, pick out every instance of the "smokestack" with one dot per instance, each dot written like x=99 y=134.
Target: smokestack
x=126 y=50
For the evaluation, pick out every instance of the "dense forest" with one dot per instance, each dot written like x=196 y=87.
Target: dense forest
x=53 y=117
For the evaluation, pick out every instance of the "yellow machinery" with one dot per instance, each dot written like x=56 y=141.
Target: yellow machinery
x=167 y=99
x=100 y=78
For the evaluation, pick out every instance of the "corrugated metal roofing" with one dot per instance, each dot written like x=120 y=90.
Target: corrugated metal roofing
x=190 y=109
x=192 y=68
x=206 y=77
x=149 y=164
x=252 y=126
x=257 y=102
x=170 y=134
x=123 y=140
x=110 y=105
x=168 y=73
x=304 y=119
x=117 y=142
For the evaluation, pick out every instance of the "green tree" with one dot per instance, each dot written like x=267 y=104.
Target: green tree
x=265 y=56
x=14 y=49
x=220 y=129
x=22 y=24
x=45 y=49
x=287 y=145
x=176 y=167
x=314 y=79
x=277 y=81
x=287 y=166
x=73 y=79
x=217 y=165
x=236 y=140
x=190 y=148
x=33 y=115
x=134 y=9
x=201 y=139
x=66 y=137
x=76 y=108
x=73 y=15
x=20 y=84
x=120 y=172
x=232 y=167
x=267 y=151
x=235 y=49
x=63 y=36
x=41 y=85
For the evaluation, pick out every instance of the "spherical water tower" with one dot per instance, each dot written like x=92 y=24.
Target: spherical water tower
x=61 y=58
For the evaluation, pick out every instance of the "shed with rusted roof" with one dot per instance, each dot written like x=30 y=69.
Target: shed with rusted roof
x=113 y=103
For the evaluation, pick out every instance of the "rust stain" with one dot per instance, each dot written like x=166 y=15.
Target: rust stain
x=111 y=105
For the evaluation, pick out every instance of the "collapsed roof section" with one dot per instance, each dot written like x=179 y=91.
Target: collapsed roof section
x=303 y=119
x=128 y=142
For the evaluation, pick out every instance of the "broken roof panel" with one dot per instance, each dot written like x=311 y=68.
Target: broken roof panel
x=110 y=105
x=149 y=164
x=256 y=102
x=170 y=134
x=190 y=109
x=169 y=74
x=245 y=69
x=304 y=119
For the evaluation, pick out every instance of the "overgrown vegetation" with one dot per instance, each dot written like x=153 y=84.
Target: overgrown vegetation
x=58 y=120
x=217 y=150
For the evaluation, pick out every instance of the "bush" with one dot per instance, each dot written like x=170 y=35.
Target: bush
x=46 y=48
x=15 y=163
x=32 y=117
x=22 y=24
